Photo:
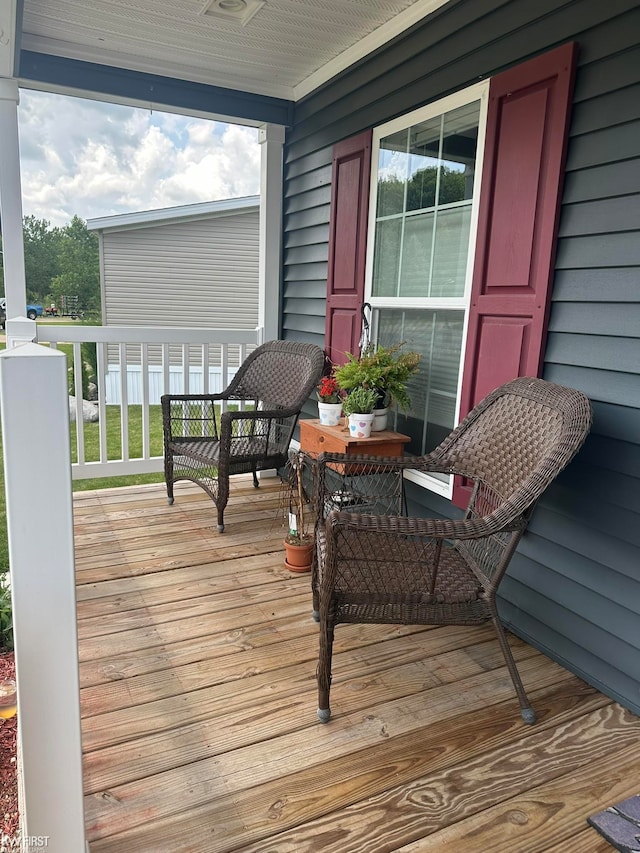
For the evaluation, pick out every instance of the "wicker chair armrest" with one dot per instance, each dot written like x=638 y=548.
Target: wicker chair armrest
x=257 y=414
x=434 y=528
x=427 y=464
x=381 y=465
x=384 y=462
x=167 y=399
x=253 y=422
x=194 y=411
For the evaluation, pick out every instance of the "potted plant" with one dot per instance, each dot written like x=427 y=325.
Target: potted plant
x=385 y=369
x=359 y=405
x=298 y=542
x=329 y=401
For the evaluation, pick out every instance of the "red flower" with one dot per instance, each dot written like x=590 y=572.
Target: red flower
x=328 y=391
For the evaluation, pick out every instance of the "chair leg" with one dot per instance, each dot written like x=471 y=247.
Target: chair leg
x=221 y=500
x=168 y=476
x=315 y=595
x=324 y=670
x=256 y=481
x=527 y=712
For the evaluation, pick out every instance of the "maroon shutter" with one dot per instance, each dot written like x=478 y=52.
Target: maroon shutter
x=527 y=124
x=347 y=245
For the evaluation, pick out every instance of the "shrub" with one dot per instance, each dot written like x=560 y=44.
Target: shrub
x=6 y=621
x=360 y=401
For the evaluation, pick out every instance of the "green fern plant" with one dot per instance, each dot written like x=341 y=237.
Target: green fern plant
x=385 y=369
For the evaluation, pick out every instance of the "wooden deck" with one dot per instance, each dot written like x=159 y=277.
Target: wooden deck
x=198 y=700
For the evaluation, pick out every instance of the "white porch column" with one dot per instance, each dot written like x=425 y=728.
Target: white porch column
x=271 y=138
x=11 y=200
x=40 y=525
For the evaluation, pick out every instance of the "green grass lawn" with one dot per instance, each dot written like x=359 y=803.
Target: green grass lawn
x=114 y=451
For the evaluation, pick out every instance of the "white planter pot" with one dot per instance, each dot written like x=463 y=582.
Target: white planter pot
x=380 y=418
x=360 y=425
x=329 y=413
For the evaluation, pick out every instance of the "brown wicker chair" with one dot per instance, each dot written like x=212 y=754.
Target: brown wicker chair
x=374 y=564
x=269 y=390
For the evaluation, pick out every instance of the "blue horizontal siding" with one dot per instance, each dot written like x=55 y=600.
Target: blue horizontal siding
x=574 y=586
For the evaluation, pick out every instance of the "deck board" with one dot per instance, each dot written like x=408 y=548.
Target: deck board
x=198 y=696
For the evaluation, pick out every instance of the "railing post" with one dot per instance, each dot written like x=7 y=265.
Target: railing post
x=35 y=427
x=10 y=191
x=271 y=138
x=20 y=330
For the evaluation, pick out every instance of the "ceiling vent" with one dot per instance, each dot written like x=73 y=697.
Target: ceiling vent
x=241 y=11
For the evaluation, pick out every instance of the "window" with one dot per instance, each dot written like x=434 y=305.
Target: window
x=423 y=215
x=477 y=312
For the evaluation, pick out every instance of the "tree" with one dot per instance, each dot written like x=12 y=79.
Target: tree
x=421 y=189
x=40 y=257
x=78 y=264
x=60 y=262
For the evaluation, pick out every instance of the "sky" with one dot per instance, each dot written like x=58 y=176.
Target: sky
x=96 y=159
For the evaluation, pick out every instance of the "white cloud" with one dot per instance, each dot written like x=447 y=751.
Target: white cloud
x=95 y=159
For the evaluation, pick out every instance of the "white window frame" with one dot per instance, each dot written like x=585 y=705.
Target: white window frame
x=478 y=92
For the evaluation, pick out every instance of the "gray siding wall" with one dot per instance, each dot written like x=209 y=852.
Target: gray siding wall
x=574 y=587
x=199 y=272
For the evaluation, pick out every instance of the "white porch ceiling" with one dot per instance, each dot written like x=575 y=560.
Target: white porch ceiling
x=284 y=48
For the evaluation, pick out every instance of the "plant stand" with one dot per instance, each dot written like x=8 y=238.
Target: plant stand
x=316 y=438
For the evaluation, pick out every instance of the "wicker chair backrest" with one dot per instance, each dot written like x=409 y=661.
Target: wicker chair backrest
x=280 y=374
x=507 y=443
x=520 y=437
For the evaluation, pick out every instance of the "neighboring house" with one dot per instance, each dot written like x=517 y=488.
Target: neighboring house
x=193 y=265
x=455 y=89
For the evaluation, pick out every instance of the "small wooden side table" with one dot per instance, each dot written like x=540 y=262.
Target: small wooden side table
x=316 y=439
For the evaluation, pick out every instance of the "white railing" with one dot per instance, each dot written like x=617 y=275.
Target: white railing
x=135 y=365
x=34 y=409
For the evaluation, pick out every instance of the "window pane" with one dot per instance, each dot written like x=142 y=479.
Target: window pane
x=450 y=252
x=387 y=257
x=433 y=389
x=424 y=145
x=459 y=144
x=416 y=255
x=392 y=173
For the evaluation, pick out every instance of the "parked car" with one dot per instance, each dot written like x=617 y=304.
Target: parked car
x=31 y=311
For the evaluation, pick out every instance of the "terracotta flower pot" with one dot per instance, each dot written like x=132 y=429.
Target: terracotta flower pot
x=298 y=557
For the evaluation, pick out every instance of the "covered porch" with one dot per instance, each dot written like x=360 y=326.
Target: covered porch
x=198 y=733
x=197 y=674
